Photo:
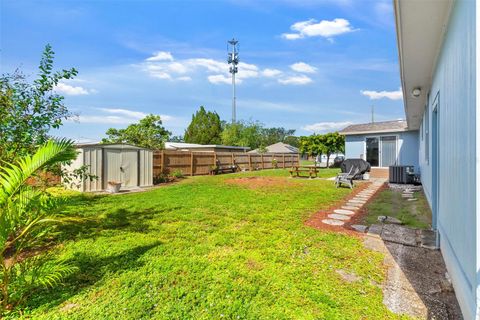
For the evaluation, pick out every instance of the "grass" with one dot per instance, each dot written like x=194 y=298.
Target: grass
x=416 y=214
x=205 y=248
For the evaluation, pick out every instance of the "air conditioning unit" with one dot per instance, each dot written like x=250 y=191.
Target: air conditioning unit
x=401 y=174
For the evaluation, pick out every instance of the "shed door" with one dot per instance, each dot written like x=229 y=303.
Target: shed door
x=121 y=166
x=129 y=168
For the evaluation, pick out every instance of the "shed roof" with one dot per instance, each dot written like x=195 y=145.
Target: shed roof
x=376 y=127
x=108 y=145
x=279 y=147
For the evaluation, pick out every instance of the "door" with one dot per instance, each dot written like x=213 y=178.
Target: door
x=129 y=168
x=372 y=146
x=121 y=166
x=389 y=151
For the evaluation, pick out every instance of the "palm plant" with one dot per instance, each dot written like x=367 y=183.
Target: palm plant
x=26 y=215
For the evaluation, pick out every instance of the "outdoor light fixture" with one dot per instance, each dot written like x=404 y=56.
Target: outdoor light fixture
x=416 y=92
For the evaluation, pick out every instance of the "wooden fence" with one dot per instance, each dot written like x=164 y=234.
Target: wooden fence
x=200 y=163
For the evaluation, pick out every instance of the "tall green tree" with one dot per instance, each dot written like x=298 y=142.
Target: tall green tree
x=148 y=133
x=243 y=134
x=292 y=140
x=333 y=142
x=274 y=135
x=205 y=128
x=28 y=111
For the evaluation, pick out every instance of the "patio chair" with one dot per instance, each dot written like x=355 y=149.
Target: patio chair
x=347 y=177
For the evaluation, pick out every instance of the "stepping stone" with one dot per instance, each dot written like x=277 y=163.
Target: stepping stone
x=388 y=219
x=345 y=212
x=350 y=208
x=412 y=199
x=354 y=204
x=375 y=230
x=333 y=222
x=407 y=195
x=338 y=216
x=358 y=201
x=359 y=227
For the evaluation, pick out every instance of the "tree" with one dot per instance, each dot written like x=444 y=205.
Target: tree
x=292 y=140
x=147 y=133
x=26 y=213
x=274 y=135
x=333 y=142
x=205 y=128
x=243 y=134
x=313 y=145
x=29 y=110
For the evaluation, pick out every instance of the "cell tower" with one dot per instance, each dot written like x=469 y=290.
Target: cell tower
x=233 y=61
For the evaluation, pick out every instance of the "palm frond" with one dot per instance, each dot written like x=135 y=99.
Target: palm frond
x=14 y=176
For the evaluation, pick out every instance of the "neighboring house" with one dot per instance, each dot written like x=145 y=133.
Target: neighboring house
x=182 y=146
x=278 y=147
x=382 y=144
x=438 y=43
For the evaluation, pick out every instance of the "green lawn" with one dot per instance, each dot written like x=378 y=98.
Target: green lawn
x=206 y=248
x=416 y=214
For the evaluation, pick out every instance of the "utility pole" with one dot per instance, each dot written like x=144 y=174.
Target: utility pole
x=373 y=111
x=233 y=61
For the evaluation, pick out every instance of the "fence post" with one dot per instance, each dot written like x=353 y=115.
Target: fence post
x=191 y=163
x=298 y=159
x=233 y=158
x=284 y=161
x=162 y=162
x=249 y=162
x=263 y=164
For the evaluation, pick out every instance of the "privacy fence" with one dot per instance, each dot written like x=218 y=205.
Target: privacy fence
x=200 y=163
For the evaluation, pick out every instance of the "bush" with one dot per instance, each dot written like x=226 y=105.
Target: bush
x=161 y=178
x=177 y=174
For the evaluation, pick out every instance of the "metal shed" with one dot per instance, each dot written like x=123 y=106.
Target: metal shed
x=125 y=163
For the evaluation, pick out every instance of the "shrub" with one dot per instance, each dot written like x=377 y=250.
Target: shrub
x=177 y=174
x=160 y=178
x=26 y=216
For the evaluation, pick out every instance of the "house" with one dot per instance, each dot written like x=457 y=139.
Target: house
x=182 y=146
x=278 y=147
x=382 y=144
x=438 y=46
x=125 y=163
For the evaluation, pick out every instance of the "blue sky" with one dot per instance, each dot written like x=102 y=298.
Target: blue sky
x=309 y=65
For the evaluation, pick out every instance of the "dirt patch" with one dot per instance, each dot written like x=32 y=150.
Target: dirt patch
x=262 y=182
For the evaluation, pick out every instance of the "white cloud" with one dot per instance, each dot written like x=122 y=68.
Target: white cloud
x=296 y=80
x=185 y=78
x=324 y=28
x=326 y=126
x=161 y=56
x=66 y=89
x=271 y=72
x=303 y=67
x=116 y=116
x=375 y=95
x=219 y=78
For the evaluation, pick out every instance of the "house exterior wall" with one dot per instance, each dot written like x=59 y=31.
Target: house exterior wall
x=453 y=91
x=407 y=147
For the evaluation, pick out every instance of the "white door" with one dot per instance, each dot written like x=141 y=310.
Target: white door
x=121 y=166
x=129 y=168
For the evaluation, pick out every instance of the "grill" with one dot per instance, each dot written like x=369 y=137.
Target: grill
x=401 y=174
